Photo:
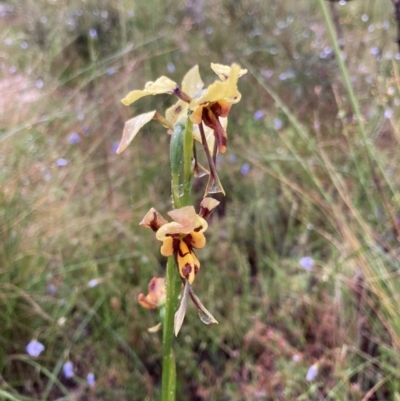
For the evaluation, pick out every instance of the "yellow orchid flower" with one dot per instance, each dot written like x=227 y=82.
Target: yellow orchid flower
x=210 y=106
x=182 y=235
x=216 y=102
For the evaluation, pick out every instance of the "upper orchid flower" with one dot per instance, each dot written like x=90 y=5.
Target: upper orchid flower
x=210 y=106
x=216 y=102
x=182 y=235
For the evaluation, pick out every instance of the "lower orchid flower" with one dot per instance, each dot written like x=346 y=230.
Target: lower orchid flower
x=179 y=238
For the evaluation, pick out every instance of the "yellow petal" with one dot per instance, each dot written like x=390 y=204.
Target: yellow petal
x=132 y=127
x=226 y=90
x=176 y=111
x=158 y=87
x=196 y=240
x=196 y=116
x=224 y=71
x=188 y=264
x=167 y=248
x=192 y=83
x=169 y=229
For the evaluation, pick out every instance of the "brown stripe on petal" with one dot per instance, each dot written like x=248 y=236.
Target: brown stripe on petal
x=212 y=122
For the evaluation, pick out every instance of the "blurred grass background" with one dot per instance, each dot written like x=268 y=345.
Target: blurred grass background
x=301 y=180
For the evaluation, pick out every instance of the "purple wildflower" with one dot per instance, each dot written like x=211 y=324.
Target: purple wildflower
x=61 y=162
x=258 y=115
x=278 y=123
x=93 y=33
x=90 y=379
x=312 y=372
x=74 y=138
x=388 y=114
x=68 y=370
x=110 y=71
x=51 y=289
x=93 y=282
x=114 y=147
x=245 y=169
x=34 y=348
x=307 y=263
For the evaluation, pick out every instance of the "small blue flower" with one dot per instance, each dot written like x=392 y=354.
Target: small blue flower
x=61 y=162
x=91 y=381
x=68 y=370
x=74 y=138
x=114 y=147
x=171 y=67
x=375 y=51
x=34 y=348
x=278 y=123
x=388 y=113
x=312 y=372
x=245 y=169
x=51 y=289
x=93 y=33
x=110 y=71
x=93 y=282
x=307 y=263
x=258 y=115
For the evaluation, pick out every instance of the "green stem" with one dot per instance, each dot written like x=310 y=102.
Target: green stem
x=168 y=387
x=181 y=149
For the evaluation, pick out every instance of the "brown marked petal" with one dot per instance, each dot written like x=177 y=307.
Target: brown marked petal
x=153 y=220
x=207 y=206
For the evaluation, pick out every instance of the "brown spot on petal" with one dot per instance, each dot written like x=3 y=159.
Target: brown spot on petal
x=186 y=270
